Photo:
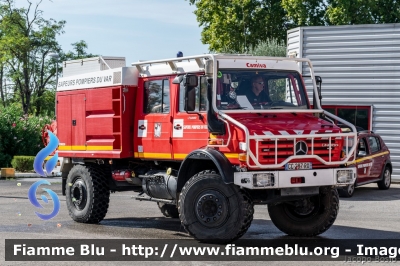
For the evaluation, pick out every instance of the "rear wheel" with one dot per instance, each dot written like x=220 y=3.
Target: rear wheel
x=386 y=179
x=168 y=210
x=347 y=191
x=87 y=194
x=213 y=211
x=307 y=217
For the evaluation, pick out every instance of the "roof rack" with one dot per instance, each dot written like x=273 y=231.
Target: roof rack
x=171 y=65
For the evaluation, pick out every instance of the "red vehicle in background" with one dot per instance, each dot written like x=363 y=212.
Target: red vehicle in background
x=372 y=162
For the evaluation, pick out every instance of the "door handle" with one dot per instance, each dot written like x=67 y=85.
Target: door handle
x=74 y=122
x=142 y=127
x=178 y=127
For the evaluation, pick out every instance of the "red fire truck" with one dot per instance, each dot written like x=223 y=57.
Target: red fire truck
x=182 y=132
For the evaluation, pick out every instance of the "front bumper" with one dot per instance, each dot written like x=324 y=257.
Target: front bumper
x=295 y=179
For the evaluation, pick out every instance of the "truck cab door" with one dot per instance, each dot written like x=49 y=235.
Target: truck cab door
x=364 y=162
x=153 y=119
x=190 y=131
x=377 y=160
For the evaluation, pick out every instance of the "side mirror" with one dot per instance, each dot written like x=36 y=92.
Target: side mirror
x=318 y=81
x=190 y=82
x=215 y=126
x=190 y=99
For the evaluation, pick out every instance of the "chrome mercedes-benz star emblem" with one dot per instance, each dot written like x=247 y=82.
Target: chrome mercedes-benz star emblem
x=301 y=148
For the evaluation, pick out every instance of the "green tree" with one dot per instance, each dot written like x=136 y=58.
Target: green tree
x=27 y=38
x=270 y=47
x=2 y=89
x=306 y=12
x=78 y=52
x=342 y=12
x=239 y=25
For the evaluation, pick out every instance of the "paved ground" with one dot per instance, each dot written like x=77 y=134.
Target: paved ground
x=370 y=214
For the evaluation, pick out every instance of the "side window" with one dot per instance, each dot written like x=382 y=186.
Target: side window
x=379 y=143
x=201 y=97
x=373 y=144
x=156 y=96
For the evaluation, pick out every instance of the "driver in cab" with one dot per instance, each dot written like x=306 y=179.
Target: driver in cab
x=257 y=95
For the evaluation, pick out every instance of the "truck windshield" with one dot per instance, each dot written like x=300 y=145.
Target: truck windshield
x=260 y=89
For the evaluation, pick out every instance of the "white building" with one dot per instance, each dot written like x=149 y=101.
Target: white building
x=360 y=70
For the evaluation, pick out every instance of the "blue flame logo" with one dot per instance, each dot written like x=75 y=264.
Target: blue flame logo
x=34 y=201
x=43 y=153
x=38 y=166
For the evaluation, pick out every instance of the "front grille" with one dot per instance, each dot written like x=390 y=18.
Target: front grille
x=286 y=147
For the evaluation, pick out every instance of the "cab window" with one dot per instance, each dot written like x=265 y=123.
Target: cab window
x=156 y=96
x=373 y=144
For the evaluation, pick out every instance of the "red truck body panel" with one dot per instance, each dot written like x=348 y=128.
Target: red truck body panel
x=96 y=123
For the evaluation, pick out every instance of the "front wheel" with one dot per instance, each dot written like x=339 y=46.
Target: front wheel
x=213 y=211
x=386 y=179
x=347 y=191
x=307 y=217
x=87 y=194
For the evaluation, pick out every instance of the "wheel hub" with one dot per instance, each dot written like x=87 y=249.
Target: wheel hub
x=304 y=207
x=211 y=208
x=78 y=193
x=387 y=178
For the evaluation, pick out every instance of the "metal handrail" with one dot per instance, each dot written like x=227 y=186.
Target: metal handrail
x=250 y=153
x=310 y=136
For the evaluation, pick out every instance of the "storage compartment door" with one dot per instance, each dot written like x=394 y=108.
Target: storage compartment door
x=78 y=115
x=64 y=122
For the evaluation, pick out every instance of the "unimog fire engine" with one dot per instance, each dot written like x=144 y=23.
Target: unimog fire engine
x=182 y=133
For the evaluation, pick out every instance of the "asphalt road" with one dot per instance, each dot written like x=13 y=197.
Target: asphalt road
x=369 y=214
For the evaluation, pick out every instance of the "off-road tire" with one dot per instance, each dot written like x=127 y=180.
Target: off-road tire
x=212 y=211
x=168 y=210
x=87 y=193
x=289 y=219
x=347 y=191
x=386 y=180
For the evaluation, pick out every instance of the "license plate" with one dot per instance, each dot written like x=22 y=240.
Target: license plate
x=298 y=166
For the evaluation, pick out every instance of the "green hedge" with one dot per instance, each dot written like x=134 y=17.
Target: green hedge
x=19 y=133
x=23 y=163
